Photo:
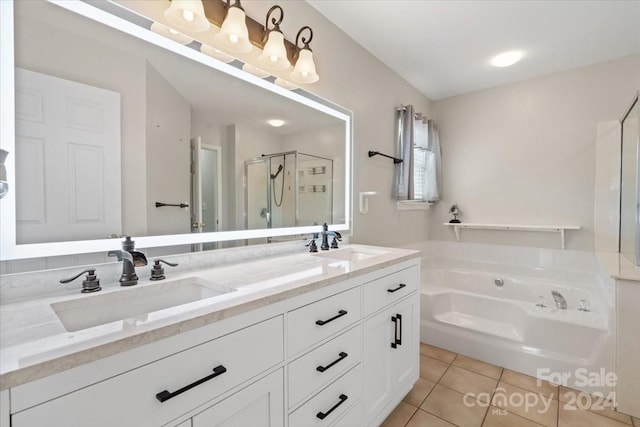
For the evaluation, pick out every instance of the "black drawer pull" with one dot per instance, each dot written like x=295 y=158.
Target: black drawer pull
x=342 y=355
x=400 y=286
x=324 y=322
x=323 y=415
x=166 y=395
x=397 y=336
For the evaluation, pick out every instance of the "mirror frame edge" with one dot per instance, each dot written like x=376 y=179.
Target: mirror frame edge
x=11 y=250
x=634 y=102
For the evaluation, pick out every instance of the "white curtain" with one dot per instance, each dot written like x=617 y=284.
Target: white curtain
x=418 y=176
x=404 y=150
x=433 y=165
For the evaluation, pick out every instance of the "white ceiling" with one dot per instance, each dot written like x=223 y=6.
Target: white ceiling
x=443 y=48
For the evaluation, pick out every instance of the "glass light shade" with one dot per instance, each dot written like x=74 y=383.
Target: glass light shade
x=216 y=53
x=305 y=69
x=187 y=15
x=285 y=84
x=274 y=54
x=233 y=35
x=255 y=71
x=170 y=33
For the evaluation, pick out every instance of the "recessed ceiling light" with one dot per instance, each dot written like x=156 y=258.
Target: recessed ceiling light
x=276 y=123
x=506 y=59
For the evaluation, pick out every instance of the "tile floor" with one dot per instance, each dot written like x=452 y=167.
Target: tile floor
x=495 y=397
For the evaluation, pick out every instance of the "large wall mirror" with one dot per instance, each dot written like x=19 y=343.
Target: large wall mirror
x=630 y=184
x=120 y=131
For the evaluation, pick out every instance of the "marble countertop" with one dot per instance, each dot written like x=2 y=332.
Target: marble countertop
x=618 y=266
x=34 y=343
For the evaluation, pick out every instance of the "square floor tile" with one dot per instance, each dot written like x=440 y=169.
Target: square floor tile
x=478 y=366
x=425 y=419
x=431 y=369
x=578 y=418
x=454 y=408
x=419 y=392
x=526 y=403
x=571 y=399
x=465 y=381
x=498 y=417
x=437 y=353
x=529 y=383
x=400 y=416
x=585 y=401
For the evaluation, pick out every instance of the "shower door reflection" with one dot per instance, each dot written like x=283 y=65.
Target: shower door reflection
x=287 y=190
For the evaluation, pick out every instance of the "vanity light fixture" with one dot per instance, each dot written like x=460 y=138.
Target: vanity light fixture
x=234 y=35
x=305 y=69
x=506 y=59
x=187 y=15
x=216 y=53
x=258 y=72
x=285 y=84
x=274 y=53
x=276 y=123
x=170 y=33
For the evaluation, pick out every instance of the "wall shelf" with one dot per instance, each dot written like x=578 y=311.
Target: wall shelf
x=545 y=228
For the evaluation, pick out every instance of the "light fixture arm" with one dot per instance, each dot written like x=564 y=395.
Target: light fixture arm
x=274 y=22
x=305 y=41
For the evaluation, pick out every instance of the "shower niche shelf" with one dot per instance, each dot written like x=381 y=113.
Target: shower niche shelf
x=544 y=228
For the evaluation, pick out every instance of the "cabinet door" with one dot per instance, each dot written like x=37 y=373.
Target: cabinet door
x=378 y=335
x=405 y=356
x=391 y=355
x=259 y=405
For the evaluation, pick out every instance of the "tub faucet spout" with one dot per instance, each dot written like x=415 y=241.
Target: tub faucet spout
x=561 y=303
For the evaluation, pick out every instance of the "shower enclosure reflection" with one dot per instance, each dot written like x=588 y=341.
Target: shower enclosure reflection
x=288 y=190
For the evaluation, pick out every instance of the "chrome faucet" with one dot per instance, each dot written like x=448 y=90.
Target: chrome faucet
x=130 y=260
x=561 y=303
x=325 y=238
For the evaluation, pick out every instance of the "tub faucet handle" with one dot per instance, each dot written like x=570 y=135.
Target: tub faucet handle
x=541 y=302
x=584 y=306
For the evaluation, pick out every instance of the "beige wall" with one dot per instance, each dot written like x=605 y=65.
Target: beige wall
x=356 y=80
x=524 y=153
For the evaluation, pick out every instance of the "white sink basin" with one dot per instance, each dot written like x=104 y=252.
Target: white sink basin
x=352 y=254
x=99 y=309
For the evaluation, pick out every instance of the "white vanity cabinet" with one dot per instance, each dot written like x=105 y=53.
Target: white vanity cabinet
x=157 y=393
x=258 y=405
x=343 y=355
x=4 y=408
x=391 y=348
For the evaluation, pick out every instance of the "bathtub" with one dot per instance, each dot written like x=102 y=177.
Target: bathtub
x=486 y=308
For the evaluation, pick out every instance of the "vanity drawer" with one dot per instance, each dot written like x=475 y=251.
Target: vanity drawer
x=133 y=398
x=314 y=322
x=389 y=289
x=328 y=406
x=324 y=364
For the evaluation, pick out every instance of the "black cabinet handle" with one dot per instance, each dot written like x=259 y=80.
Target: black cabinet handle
x=324 y=322
x=342 y=355
x=400 y=286
x=397 y=335
x=166 y=395
x=323 y=415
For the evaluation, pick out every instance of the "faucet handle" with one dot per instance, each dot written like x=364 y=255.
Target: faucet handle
x=334 y=243
x=312 y=246
x=91 y=283
x=157 y=272
x=541 y=302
